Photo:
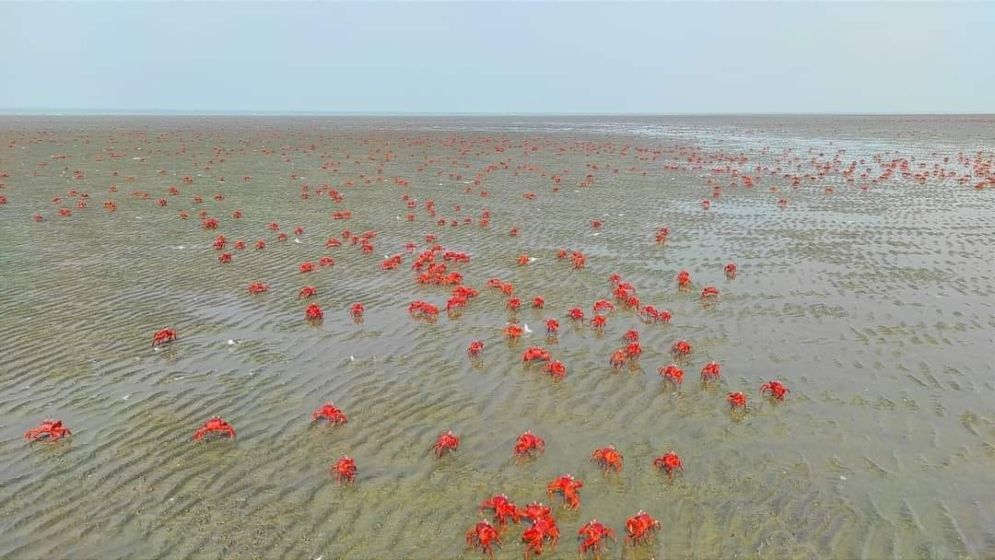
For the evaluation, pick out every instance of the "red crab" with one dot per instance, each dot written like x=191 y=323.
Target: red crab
x=683 y=279
x=568 y=486
x=163 y=335
x=307 y=292
x=455 y=303
x=576 y=313
x=633 y=350
x=598 y=322
x=608 y=458
x=535 y=354
x=529 y=445
x=330 y=413
x=52 y=430
x=423 y=309
x=552 y=327
x=709 y=292
x=219 y=242
x=357 y=310
x=655 y=315
x=260 y=245
x=669 y=463
x=258 y=288
x=736 y=400
x=672 y=373
x=618 y=358
x=224 y=258
x=535 y=511
x=603 y=305
x=731 y=270
x=214 y=425
x=523 y=260
x=640 y=527
x=538 y=302
x=579 y=259
x=681 y=348
x=483 y=536
x=513 y=332
x=345 y=469
x=556 y=369
x=326 y=261
x=314 y=312
x=506 y=288
x=513 y=304
x=306 y=267
x=710 y=371
x=475 y=348
x=446 y=442
x=543 y=529
x=504 y=509
x=631 y=335
x=593 y=534
x=775 y=389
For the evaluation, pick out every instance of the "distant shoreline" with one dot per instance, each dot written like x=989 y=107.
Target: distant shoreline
x=155 y=113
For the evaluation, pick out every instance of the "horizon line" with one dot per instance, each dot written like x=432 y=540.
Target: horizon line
x=52 y=112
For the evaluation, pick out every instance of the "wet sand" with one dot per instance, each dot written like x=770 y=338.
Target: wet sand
x=873 y=305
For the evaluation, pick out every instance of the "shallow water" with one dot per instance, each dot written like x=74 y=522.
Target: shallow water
x=874 y=307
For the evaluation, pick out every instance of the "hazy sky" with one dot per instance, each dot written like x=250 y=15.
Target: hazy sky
x=499 y=57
